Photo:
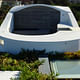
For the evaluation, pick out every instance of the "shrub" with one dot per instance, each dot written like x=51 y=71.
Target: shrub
x=65 y=56
x=22 y=62
x=61 y=2
x=76 y=10
x=3 y=11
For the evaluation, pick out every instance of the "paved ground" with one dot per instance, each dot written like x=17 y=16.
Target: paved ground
x=67 y=69
x=6 y=75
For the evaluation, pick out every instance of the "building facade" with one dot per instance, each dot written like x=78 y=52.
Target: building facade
x=39 y=26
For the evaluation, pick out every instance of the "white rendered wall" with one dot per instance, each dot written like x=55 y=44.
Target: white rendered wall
x=14 y=46
x=65 y=18
x=68 y=19
x=14 y=43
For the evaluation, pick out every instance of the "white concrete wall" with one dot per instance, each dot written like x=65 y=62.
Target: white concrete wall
x=65 y=19
x=14 y=46
x=59 y=41
x=68 y=19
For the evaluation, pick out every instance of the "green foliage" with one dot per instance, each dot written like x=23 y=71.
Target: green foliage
x=3 y=11
x=57 y=2
x=17 y=62
x=43 y=1
x=22 y=62
x=79 y=22
x=29 y=69
x=65 y=56
x=76 y=10
x=29 y=55
x=61 y=2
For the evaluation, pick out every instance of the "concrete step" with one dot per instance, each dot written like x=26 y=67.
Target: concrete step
x=45 y=67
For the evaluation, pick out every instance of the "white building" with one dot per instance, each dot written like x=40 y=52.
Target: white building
x=39 y=26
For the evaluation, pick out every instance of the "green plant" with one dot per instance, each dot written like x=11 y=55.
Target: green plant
x=22 y=62
x=76 y=10
x=29 y=66
x=3 y=11
x=79 y=23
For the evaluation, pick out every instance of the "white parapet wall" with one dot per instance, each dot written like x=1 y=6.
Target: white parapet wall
x=62 y=40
